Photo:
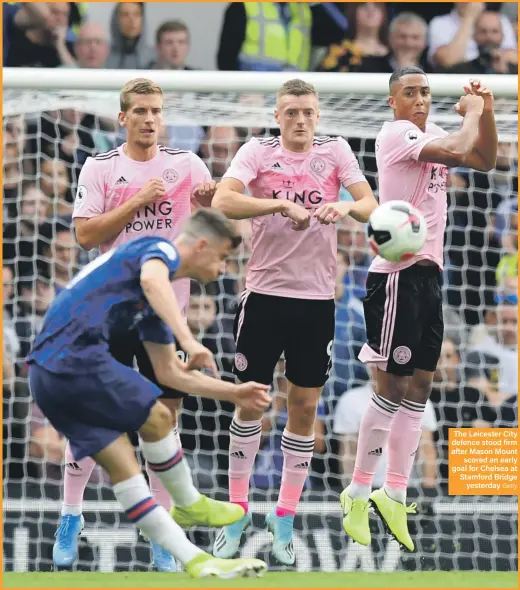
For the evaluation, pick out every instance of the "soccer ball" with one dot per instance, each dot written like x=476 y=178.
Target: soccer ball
x=396 y=231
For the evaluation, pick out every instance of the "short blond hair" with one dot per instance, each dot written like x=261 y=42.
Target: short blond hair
x=137 y=86
x=296 y=87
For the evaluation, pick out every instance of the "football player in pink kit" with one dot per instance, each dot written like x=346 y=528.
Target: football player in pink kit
x=139 y=189
x=287 y=307
x=403 y=304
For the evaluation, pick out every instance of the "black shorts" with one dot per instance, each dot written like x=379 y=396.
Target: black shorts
x=267 y=326
x=125 y=349
x=403 y=318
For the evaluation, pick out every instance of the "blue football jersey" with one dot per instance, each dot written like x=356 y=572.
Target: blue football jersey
x=104 y=299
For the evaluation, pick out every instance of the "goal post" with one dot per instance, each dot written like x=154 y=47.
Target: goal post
x=212 y=113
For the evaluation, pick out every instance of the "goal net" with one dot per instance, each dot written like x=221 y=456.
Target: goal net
x=53 y=120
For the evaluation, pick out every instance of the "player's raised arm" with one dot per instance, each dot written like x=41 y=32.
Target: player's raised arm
x=484 y=154
x=458 y=148
x=170 y=371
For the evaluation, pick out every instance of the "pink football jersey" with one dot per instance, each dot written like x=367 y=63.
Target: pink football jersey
x=402 y=176
x=285 y=262
x=108 y=180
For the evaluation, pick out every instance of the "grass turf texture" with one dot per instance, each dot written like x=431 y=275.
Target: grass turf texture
x=269 y=580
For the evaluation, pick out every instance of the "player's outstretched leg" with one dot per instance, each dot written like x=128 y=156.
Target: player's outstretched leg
x=245 y=435
x=134 y=495
x=77 y=474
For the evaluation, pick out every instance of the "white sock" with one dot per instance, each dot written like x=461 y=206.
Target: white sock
x=166 y=460
x=135 y=497
x=70 y=509
x=359 y=491
x=397 y=495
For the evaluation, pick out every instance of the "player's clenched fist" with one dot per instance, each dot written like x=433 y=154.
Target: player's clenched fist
x=252 y=396
x=477 y=89
x=470 y=103
x=330 y=213
x=154 y=189
x=301 y=218
x=206 y=190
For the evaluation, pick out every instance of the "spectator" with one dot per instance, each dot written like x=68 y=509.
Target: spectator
x=451 y=35
x=491 y=58
x=219 y=148
x=493 y=364
x=507 y=270
x=130 y=48
x=60 y=253
x=54 y=182
x=367 y=36
x=457 y=405
x=407 y=41
x=91 y=47
x=347 y=420
x=36 y=296
x=45 y=44
x=266 y=36
x=172 y=45
x=22 y=18
x=11 y=340
x=21 y=237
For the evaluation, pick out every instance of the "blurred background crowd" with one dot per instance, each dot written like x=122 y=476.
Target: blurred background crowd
x=476 y=383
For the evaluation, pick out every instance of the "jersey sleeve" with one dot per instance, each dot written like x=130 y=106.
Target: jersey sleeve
x=405 y=142
x=349 y=171
x=153 y=329
x=90 y=195
x=199 y=174
x=244 y=166
x=164 y=251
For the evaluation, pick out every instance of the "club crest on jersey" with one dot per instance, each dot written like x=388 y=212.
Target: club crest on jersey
x=317 y=165
x=170 y=176
x=288 y=183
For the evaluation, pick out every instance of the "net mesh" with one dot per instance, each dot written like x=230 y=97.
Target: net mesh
x=47 y=137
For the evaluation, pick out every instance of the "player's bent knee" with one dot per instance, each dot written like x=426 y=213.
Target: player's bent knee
x=158 y=424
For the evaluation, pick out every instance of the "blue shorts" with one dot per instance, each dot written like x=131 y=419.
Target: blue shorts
x=94 y=409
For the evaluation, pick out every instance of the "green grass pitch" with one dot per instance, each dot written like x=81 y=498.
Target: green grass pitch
x=269 y=580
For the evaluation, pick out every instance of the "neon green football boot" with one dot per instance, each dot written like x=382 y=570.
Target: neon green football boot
x=355 y=518
x=205 y=566
x=207 y=512
x=394 y=517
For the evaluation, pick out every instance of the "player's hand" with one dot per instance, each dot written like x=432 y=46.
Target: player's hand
x=200 y=357
x=152 y=191
x=330 y=213
x=300 y=217
x=205 y=190
x=470 y=103
x=252 y=396
x=476 y=88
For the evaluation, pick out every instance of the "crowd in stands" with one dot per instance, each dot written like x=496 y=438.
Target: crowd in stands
x=476 y=382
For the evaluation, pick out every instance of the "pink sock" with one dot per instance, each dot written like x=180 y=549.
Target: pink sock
x=243 y=446
x=297 y=454
x=160 y=494
x=77 y=474
x=373 y=435
x=403 y=443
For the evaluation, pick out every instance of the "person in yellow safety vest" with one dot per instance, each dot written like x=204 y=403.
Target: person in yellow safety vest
x=273 y=36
